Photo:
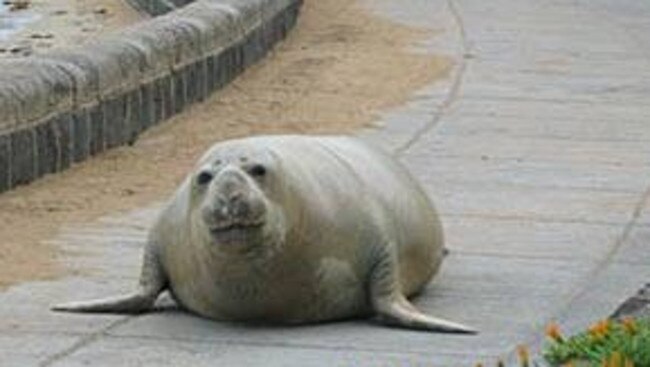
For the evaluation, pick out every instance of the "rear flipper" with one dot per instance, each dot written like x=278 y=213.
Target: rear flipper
x=400 y=312
x=392 y=308
x=152 y=283
x=134 y=303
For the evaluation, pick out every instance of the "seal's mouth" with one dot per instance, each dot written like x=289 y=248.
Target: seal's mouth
x=235 y=226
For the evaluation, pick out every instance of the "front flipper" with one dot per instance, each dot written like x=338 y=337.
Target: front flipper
x=152 y=282
x=392 y=308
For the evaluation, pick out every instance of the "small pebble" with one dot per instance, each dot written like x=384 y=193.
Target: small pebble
x=16 y=5
x=25 y=50
x=128 y=192
x=42 y=36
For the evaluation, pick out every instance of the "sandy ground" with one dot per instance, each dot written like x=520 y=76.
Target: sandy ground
x=45 y=24
x=339 y=68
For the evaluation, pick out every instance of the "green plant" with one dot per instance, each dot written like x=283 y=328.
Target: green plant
x=605 y=344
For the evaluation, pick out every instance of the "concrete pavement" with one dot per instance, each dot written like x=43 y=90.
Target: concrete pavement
x=537 y=152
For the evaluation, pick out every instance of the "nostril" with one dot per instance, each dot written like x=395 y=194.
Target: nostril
x=235 y=196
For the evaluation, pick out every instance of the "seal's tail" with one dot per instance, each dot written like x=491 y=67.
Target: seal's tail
x=133 y=303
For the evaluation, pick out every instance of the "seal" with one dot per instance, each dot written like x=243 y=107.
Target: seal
x=292 y=229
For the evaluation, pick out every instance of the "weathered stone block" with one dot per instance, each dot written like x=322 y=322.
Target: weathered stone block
x=80 y=135
x=238 y=58
x=203 y=76
x=269 y=32
x=23 y=162
x=64 y=126
x=5 y=163
x=46 y=148
x=253 y=48
x=180 y=91
x=163 y=101
x=39 y=85
x=97 y=129
x=148 y=116
x=133 y=117
x=158 y=101
x=190 y=78
x=196 y=82
x=225 y=66
x=167 y=93
x=211 y=74
x=115 y=120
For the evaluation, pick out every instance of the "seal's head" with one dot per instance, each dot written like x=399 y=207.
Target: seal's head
x=232 y=203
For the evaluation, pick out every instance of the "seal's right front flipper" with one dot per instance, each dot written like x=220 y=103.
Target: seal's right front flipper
x=134 y=303
x=152 y=282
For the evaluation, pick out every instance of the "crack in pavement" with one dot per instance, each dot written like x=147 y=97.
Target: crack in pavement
x=454 y=91
x=84 y=341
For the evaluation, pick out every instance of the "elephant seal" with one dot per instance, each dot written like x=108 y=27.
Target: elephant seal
x=292 y=229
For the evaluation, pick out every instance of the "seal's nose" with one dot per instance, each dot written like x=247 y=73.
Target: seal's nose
x=232 y=192
x=231 y=183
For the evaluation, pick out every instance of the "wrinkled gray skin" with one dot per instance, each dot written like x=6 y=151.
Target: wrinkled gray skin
x=292 y=229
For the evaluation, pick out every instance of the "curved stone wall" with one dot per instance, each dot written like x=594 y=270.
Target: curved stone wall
x=158 y=7
x=64 y=106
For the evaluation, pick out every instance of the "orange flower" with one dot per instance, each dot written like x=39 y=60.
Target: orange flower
x=629 y=324
x=553 y=332
x=524 y=355
x=600 y=329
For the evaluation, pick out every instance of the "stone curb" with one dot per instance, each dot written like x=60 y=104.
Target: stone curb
x=62 y=107
x=158 y=7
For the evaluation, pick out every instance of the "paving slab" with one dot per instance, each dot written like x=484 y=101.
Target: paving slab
x=531 y=203
x=535 y=150
x=507 y=238
x=27 y=347
x=137 y=352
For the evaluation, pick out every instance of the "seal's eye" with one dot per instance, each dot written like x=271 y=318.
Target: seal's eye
x=204 y=178
x=257 y=170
